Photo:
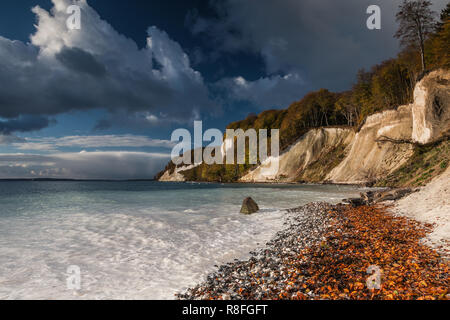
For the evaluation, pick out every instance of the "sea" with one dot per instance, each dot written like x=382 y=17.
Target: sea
x=81 y=240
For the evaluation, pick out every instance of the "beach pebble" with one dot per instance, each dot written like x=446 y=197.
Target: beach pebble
x=267 y=273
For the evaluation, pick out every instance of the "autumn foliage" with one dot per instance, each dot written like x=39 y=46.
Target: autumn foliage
x=365 y=236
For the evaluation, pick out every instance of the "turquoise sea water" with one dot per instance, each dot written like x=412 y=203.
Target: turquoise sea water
x=133 y=240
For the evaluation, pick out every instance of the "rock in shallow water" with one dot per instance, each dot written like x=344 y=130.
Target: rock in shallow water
x=249 y=206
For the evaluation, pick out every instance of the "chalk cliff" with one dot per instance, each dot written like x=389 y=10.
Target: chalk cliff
x=304 y=161
x=431 y=108
x=384 y=143
x=370 y=154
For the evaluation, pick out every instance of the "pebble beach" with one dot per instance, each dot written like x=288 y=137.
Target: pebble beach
x=324 y=251
x=269 y=269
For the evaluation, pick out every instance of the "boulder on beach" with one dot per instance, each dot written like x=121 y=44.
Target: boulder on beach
x=249 y=206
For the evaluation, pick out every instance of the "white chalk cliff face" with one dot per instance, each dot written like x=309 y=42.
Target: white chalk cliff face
x=368 y=157
x=310 y=148
x=176 y=175
x=382 y=145
x=431 y=108
x=377 y=149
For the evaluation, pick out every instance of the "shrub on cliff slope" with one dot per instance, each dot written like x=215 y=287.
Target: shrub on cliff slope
x=427 y=162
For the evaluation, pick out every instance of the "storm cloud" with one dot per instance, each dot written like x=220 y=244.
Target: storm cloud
x=96 y=67
x=324 y=42
x=23 y=124
x=80 y=61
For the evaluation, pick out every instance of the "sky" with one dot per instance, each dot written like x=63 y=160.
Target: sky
x=102 y=102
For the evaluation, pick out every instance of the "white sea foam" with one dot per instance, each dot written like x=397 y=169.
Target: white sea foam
x=132 y=245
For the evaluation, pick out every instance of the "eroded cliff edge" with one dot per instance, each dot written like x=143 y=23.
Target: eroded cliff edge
x=384 y=143
x=380 y=148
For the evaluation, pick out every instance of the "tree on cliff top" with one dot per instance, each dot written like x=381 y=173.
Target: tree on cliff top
x=439 y=53
x=417 y=22
x=445 y=15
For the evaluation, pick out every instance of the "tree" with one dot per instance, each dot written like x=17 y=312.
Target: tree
x=417 y=21
x=445 y=15
x=411 y=61
x=438 y=45
x=390 y=85
x=347 y=108
x=362 y=94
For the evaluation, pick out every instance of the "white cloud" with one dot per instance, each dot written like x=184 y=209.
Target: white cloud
x=99 y=141
x=83 y=165
x=8 y=139
x=96 y=67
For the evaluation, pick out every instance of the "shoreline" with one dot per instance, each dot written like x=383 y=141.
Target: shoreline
x=323 y=252
x=198 y=182
x=269 y=183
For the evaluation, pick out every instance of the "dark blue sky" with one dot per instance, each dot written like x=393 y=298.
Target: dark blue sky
x=132 y=18
x=140 y=69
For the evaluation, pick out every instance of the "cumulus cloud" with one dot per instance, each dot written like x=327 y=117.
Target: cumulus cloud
x=325 y=41
x=83 y=165
x=99 y=141
x=96 y=67
x=269 y=92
